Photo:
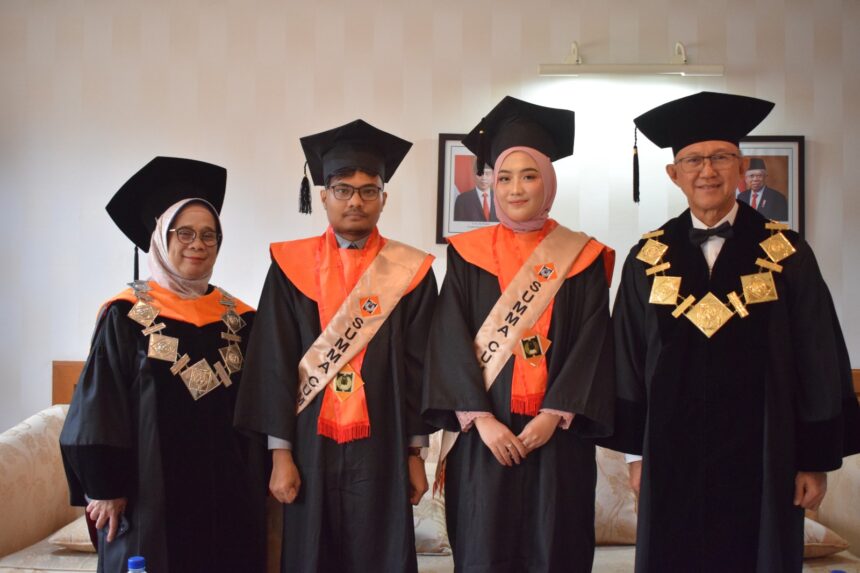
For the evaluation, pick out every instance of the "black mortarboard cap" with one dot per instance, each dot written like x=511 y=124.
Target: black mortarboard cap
x=757 y=163
x=158 y=185
x=704 y=116
x=514 y=122
x=356 y=145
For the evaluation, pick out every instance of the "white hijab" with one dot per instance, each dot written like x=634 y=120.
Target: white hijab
x=163 y=271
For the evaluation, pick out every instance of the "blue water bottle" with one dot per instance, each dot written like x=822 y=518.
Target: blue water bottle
x=136 y=564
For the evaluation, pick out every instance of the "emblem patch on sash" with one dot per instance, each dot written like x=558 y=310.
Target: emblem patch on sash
x=370 y=306
x=532 y=347
x=545 y=272
x=343 y=381
x=346 y=382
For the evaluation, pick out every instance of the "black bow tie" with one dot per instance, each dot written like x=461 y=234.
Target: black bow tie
x=699 y=236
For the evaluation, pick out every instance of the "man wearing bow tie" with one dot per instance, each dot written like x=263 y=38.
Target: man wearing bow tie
x=733 y=380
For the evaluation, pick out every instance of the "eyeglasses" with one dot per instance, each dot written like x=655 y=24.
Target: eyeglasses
x=718 y=161
x=187 y=235
x=344 y=192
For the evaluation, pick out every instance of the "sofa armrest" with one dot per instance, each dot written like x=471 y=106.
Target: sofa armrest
x=34 y=497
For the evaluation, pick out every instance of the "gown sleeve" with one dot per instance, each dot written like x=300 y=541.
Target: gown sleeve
x=631 y=355
x=827 y=420
x=267 y=397
x=452 y=376
x=420 y=304
x=580 y=367
x=97 y=439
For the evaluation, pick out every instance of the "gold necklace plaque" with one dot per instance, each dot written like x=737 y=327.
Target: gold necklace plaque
x=200 y=378
x=710 y=314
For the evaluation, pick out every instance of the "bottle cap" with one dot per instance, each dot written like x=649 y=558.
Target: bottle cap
x=137 y=562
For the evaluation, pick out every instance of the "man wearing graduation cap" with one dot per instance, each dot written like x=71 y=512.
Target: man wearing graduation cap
x=519 y=361
x=733 y=378
x=333 y=375
x=149 y=444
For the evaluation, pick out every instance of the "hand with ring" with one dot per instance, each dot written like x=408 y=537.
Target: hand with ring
x=502 y=443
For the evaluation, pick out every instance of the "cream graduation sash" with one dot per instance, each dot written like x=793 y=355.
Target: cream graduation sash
x=359 y=318
x=520 y=306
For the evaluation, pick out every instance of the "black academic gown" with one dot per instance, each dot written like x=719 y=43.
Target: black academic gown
x=133 y=430
x=352 y=513
x=538 y=516
x=725 y=423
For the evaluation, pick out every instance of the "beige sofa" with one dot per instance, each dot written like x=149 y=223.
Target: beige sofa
x=34 y=503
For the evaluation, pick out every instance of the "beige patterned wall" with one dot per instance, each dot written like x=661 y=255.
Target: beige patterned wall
x=92 y=89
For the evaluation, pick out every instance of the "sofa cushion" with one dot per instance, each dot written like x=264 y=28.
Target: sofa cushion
x=74 y=536
x=615 y=502
x=43 y=556
x=32 y=482
x=819 y=541
x=431 y=534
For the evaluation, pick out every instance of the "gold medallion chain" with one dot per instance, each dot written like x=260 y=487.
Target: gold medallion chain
x=710 y=313
x=200 y=378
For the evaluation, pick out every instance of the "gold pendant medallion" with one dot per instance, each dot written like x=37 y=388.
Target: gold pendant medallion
x=143 y=314
x=665 y=290
x=199 y=379
x=231 y=355
x=709 y=315
x=233 y=321
x=652 y=251
x=163 y=347
x=777 y=247
x=759 y=287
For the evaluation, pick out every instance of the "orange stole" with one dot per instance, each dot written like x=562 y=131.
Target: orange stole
x=328 y=282
x=501 y=252
x=197 y=311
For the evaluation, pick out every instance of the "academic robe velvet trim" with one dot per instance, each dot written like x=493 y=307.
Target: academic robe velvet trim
x=476 y=247
x=293 y=256
x=198 y=311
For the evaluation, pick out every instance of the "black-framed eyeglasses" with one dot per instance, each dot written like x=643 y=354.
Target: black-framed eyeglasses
x=344 y=192
x=187 y=235
x=718 y=161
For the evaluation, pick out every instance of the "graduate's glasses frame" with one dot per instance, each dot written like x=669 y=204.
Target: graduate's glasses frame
x=719 y=161
x=344 y=192
x=187 y=235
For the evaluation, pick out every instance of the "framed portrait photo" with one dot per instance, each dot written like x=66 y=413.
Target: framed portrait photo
x=465 y=199
x=774 y=181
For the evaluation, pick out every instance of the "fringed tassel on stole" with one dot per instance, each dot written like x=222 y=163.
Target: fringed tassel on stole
x=635 y=167
x=343 y=434
x=528 y=405
x=439 y=480
x=305 y=194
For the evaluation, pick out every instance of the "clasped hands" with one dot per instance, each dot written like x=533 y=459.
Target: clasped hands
x=509 y=449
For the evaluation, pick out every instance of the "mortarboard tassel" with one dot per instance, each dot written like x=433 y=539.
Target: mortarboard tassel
x=136 y=264
x=635 y=167
x=481 y=159
x=305 y=194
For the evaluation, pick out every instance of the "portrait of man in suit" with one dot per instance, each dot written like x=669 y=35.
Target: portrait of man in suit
x=766 y=200
x=476 y=204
